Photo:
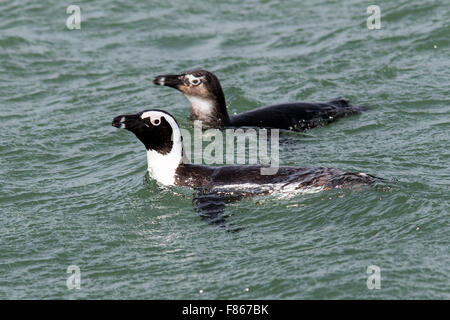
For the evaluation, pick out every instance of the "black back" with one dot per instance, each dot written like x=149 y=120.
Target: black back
x=297 y=116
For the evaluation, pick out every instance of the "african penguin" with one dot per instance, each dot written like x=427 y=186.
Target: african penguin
x=204 y=92
x=161 y=136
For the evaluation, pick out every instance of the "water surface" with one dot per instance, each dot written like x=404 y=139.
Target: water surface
x=71 y=186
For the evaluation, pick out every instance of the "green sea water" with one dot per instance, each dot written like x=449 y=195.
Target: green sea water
x=71 y=186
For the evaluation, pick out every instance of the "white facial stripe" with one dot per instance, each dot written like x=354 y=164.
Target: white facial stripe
x=162 y=167
x=192 y=77
x=152 y=115
x=157 y=115
x=161 y=80
x=193 y=80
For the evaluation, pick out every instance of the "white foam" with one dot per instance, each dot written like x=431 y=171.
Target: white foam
x=279 y=189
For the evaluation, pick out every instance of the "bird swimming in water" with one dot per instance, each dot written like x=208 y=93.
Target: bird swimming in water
x=161 y=136
x=203 y=90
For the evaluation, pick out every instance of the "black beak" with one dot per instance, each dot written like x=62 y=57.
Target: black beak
x=125 y=121
x=170 y=80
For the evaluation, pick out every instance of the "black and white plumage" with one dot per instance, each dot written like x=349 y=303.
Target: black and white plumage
x=161 y=136
x=203 y=90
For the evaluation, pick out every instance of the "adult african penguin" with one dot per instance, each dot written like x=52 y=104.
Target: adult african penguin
x=161 y=136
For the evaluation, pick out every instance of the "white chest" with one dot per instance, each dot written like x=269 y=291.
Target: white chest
x=161 y=167
x=199 y=105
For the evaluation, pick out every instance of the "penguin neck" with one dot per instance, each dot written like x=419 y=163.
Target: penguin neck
x=212 y=111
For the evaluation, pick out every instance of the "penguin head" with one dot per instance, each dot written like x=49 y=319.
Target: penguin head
x=196 y=83
x=156 y=129
x=202 y=88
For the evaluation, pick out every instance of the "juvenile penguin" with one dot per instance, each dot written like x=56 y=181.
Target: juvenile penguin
x=161 y=136
x=204 y=92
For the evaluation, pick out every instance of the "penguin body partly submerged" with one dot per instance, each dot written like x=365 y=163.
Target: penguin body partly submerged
x=161 y=136
x=203 y=90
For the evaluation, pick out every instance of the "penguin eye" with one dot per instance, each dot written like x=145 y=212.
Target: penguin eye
x=156 y=122
x=195 y=82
